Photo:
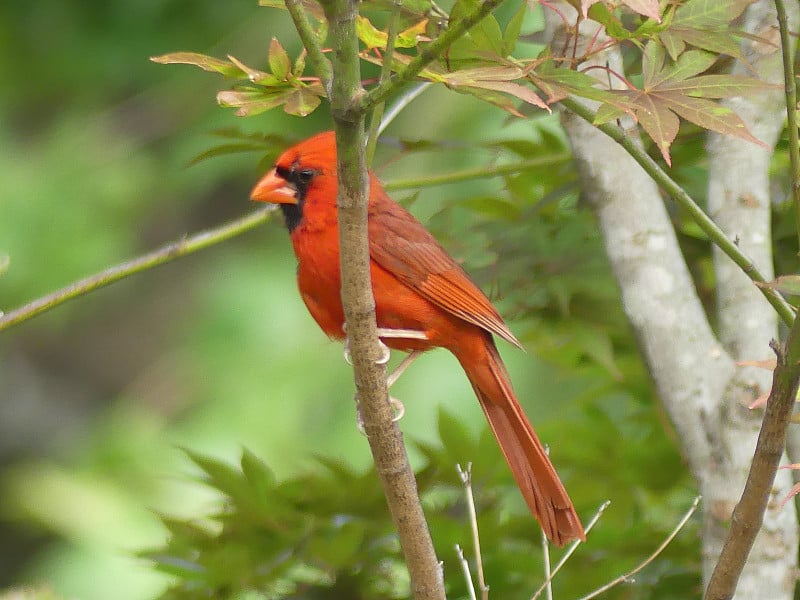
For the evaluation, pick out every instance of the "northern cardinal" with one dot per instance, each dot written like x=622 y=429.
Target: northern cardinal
x=417 y=286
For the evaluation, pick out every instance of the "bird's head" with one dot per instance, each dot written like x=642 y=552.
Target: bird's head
x=306 y=168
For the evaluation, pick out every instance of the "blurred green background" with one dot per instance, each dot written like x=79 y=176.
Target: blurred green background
x=215 y=352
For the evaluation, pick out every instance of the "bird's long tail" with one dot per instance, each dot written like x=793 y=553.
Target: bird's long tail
x=535 y=475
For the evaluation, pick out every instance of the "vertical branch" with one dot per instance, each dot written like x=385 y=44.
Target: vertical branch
x=385 y=438
x=790 y=89
x=306 y=32
x=749 y=512
x=386 y=71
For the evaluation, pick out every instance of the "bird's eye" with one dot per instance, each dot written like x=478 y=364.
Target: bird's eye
x=303 y=176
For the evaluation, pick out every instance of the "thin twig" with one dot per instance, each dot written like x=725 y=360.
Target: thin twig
x=430 y=53
x=182 y=247
x=466 y=480
x=571 y=550
x=791 y=105
x=467 y=575
x=677 y=193
x=627 y=576
x=477 y=173
x=306 y=32
x=401 y=103
x=191 y=244
x=548 y=573
x=386 y=72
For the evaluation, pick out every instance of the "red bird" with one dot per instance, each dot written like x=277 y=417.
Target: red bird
x=417 y=286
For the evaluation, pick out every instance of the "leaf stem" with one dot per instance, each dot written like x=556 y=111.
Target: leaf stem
x=167 y=253
x=677 y=193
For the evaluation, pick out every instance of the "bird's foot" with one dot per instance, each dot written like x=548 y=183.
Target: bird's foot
x=397 y=406
x=399 y=409
x=385 y=356
x=383 y=332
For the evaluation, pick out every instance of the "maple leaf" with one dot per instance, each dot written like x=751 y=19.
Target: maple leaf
x=648 y=8
x=675 y=91
x=704 y=24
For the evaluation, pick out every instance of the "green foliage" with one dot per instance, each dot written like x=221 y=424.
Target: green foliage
x=327 y=534
x=285 y=539
x=672 y=55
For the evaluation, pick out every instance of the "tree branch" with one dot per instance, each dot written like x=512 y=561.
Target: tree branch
x=321 y=65
x=477 y=173
x=749 y=512
x=167 y=253
x=431 y=52
x=376 y=118
x=191 y=244
x=677 y=193
x=787 y=51
x=385 y=438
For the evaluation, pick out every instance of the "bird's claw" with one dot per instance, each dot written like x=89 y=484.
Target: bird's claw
x=387 y=354
x=399 y=409
x=347 y=357
x=383 y=333
x=397 y=406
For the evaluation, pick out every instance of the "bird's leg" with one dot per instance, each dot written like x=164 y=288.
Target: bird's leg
x=407 y=361
x=395 y=375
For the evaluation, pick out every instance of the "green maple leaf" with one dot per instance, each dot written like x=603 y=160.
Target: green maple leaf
x=672 y=91
x=704 y=24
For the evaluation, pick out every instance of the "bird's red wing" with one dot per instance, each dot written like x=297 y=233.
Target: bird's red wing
x=402 y=246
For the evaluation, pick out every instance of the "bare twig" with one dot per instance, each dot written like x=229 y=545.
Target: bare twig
x=399 y=105
x=571 y=550
x=477 y=173
x=466 y=480
x=548 y=572
x=627 y=576
x=386 y=72
x=167 y=253
x=467 y=575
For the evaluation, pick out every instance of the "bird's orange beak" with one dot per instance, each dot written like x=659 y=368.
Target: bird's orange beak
x=275 y=189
